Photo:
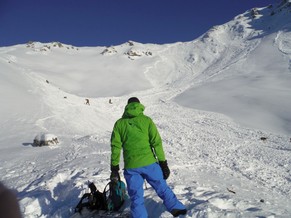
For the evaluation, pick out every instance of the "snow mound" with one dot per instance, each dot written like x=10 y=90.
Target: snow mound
x=45 y=139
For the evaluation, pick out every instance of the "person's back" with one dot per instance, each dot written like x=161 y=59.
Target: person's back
x=144 y=158
x=137 y=135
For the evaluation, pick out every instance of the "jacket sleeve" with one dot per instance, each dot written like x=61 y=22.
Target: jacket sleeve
x=156 y=141
x=116 y=146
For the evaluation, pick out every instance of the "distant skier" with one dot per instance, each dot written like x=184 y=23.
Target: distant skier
x=144 y=158
x=87 y=101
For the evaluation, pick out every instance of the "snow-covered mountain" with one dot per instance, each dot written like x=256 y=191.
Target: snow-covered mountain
x=221 y=103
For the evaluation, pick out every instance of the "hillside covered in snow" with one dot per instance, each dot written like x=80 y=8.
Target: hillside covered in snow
x=221 y=102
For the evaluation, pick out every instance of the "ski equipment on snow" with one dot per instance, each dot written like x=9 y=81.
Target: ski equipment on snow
x=111 y=199
x=94 y=200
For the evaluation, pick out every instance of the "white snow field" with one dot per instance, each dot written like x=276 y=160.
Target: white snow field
x=213 y=99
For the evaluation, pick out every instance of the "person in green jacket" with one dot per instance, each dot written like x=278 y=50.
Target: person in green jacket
x=144 y=158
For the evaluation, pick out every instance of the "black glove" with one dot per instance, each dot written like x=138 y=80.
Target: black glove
x=165 y=169
x=114 y=176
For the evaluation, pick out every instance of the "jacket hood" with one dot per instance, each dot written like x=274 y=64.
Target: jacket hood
x=133 y=110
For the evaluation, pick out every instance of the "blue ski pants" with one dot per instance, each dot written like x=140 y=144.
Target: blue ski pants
x=154 y=176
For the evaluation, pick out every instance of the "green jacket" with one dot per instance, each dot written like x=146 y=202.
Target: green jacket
x=139 y=138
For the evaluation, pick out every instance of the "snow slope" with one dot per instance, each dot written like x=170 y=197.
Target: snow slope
x=212 y=99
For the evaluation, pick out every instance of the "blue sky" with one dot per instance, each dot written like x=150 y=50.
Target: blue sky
x=112 y=22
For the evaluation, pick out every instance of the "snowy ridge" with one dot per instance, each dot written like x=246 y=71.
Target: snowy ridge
x=220 y=103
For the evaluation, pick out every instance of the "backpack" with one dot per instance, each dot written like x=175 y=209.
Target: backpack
x=115 y=195
x=111 y=199
x=93 y=201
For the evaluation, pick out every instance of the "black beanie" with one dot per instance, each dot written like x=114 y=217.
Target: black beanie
x=133 y=99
